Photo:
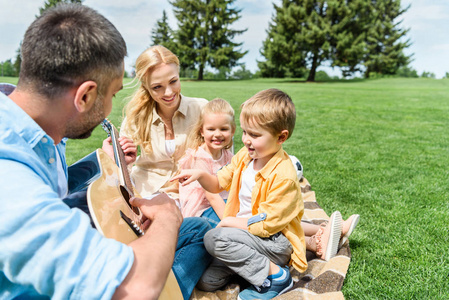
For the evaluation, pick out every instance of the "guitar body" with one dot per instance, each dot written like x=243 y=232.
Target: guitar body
x=106 y=199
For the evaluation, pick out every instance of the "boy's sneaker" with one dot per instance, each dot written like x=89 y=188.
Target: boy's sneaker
x=269 y=289
x=348 y=227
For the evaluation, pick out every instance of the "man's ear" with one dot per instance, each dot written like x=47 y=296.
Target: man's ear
x=85 y=96
x=283 y=136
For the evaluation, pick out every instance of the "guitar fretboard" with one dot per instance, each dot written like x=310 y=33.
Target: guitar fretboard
x=121 y=162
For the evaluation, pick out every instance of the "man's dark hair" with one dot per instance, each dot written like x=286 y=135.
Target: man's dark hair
x=67 y=45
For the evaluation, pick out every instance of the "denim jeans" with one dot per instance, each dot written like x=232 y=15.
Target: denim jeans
x=210 y=216
x=191 y=258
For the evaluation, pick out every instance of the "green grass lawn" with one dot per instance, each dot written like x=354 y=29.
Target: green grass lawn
x=379 y=148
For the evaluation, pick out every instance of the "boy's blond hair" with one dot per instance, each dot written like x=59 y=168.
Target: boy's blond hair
x=271 y=109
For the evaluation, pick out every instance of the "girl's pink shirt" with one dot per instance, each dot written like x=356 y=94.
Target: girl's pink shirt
x=192 y=198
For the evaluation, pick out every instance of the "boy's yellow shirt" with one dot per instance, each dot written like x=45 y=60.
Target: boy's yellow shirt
x=277 y=193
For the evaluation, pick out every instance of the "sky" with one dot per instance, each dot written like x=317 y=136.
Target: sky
x=428 y=21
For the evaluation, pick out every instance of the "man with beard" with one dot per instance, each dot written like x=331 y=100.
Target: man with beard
x=72 y=66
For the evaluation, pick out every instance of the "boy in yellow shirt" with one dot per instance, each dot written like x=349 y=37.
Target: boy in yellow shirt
x=260 y=233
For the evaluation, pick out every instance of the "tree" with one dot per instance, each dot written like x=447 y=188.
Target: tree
x=18 y=60
x=221 y=74
x=305 y=33
x=242 y=73
x=7 y=68
x=374 y=28
x=322 y=76
x=298 y=38
x=349 y=39
x=426 y=74
x=385 y=39
x=204 y=36
x=356 y=35
x=407 y=72
x=163 y=35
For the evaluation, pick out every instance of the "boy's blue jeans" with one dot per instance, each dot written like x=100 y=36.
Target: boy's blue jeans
x=191 y=258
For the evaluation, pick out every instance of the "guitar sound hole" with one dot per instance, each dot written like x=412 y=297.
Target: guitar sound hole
x=127 y=196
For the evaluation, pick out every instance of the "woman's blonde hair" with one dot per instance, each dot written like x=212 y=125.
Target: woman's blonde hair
x=139 y=111
x=215 y=106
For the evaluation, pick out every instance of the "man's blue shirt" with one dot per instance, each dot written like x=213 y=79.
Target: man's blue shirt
x=46 y=248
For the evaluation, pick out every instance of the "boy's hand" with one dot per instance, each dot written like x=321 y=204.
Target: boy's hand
x=127 y=145
x=235 y=222
x=187 y=176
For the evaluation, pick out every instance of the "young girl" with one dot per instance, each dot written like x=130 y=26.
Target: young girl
x=208 y=147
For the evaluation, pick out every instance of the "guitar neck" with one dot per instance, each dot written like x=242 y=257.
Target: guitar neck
x=125 y=187
x=120 y=160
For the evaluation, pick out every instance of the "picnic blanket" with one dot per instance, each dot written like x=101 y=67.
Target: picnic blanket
x=321 y=281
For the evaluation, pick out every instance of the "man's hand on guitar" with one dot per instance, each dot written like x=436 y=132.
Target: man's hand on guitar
x=127 y=145
x=161 y=208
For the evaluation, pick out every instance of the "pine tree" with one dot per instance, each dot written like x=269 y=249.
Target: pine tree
x=356 y=35
x=370 y=41
x=282 y=52
x=163 y=35
x=204 y=36
x=349 y=39
x=385 y=39
x=18 y=61
x=299 y=38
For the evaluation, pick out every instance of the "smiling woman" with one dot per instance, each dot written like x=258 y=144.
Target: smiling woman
x=158 y=119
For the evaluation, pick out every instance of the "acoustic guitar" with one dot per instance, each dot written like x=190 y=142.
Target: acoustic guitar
x=108 y=201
